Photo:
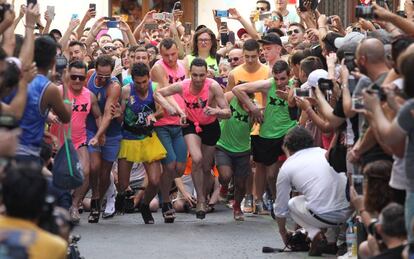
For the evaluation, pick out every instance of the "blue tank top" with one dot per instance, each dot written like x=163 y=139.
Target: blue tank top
x=33 y=121
x=114 y=128
x=136 y=113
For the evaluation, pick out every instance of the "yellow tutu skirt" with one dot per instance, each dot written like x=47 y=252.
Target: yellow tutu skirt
x=148 y=149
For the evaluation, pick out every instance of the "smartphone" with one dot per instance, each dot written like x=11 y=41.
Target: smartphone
x=301 y=5
x=92 y=6
x=112 y=24
x=34 y=2
x=74 y=16
x=187 y=28
x=151 y=26
x=402 y=13
x=221 y=13
x=224 y=38
x=350 y=61
x=358 y=102
x=50 y=11
x=177 y=6
x=364 y=11
x=302 y=92
x=158 y=16
x=169 y=16
x=224 y=25
x=265 y=15
x=8 y=122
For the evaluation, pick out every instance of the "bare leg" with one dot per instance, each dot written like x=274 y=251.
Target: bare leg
x=271 y=174
x=194 y=147
x=124 y=173
x=207 y=163
x=168 y=175
x=154 y=175
x=104 y=177
x=95 y=167
x=259 y=181
x=239 y=188
x=80 y=192
x=225 y=174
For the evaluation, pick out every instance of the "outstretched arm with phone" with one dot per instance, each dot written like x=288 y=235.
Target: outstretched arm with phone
x=234 y=14
x=90 y=13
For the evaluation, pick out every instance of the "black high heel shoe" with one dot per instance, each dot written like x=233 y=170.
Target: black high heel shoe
x=120 y=203
x=95 y=211
x=168 y=212
x=146 y=214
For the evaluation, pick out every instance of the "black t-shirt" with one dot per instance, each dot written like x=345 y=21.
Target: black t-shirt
x=394 y=253
x=339 y=112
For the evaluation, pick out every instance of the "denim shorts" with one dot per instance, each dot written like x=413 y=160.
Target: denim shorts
x=172 y=139
x=109 y=151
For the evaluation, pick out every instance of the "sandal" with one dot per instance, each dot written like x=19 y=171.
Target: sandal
x=168 y=212
x=210 y=208
x=146 y=214
x=95 y=211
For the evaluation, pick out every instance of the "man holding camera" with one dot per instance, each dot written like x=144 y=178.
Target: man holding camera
x=323 y=203
x=23 y=192
x=274 y=122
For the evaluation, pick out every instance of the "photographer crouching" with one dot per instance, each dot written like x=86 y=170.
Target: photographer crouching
x=323 y=203
x=23 y=194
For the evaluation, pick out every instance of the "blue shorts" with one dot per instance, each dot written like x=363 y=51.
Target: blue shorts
x=109 y=151
x=172 y=139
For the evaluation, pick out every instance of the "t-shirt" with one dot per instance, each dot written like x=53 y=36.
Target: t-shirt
x=26 y=240
x=406 y=121
x=394 y=253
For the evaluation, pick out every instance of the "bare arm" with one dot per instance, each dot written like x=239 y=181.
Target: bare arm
x=126 y=32
x=64 y=41
x=27 y=50
x=230 y=82
x=21 y=14
x=95 y=110
x=114 y=93
x=224 y=111
x=49 y=21
x=161 y=95
x=147 y=19
x=405 y=25
x=246 y=24
x=90 y=13
x=62 y=109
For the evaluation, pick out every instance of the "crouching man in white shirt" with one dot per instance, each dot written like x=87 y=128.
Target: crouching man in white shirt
x=323 y=201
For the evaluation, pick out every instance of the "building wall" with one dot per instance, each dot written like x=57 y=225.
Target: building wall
x=64 y=10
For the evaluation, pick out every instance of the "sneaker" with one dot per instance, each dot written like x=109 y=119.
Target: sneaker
x=223 y=194
x=237 y=213
x=248 y=204
x=74 y=215
x=258 y=208
x=230 y=203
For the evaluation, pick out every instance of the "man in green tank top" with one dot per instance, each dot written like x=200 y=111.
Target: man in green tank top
x=274 y=121
x=233 y=151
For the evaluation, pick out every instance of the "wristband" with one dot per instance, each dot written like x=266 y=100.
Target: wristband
x=66 y=101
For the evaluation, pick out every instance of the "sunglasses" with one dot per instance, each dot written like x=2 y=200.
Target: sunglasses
x=103 y=77
x=74 y=77
x=109 y=48
x=293 y=31
x=235 y=59
x=260 y=9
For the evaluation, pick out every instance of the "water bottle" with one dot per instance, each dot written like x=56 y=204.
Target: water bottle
x=350 y=238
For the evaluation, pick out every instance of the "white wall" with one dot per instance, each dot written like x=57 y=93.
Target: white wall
x=64 y=10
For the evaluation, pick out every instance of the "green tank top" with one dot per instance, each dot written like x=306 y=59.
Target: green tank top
x=277 y=121
x=235 y=131
x=211 y=63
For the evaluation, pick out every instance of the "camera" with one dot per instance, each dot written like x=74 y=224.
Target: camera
x=350 y=61
x=372 y=229
x=177 y=6
x=365 y=12
x=61 y=63
x=302 y=92
x=358 y=102
x=8 y=122
x=158 y=16
x=325 y=84
x=3 y=9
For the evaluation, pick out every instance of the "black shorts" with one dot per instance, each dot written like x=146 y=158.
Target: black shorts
x=209 y=135
x=239 y=162
x=265 y=150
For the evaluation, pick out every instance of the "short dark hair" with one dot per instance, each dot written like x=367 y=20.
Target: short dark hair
x=264 y=2
x=123 y=43
x=167 y=43
x=150 y=46
x=77 y=43
x=105 y=60
x=298 y=56
x=302 y=28
x=251 y=45
x=310 y=64
x=280 y=66
x=277 y=31
x=139 y=69
x=393 y=223
x=405 y=65
x=24 y=190
x=198 y=62
x=141 y=49
x=78 y=64
x=45 y=52
x=298 y=138
x=133 y=48
x=399 y=44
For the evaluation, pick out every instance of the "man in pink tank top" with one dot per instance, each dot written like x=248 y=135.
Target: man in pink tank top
x=205 y=103
x=167 y=71
x=83 y=102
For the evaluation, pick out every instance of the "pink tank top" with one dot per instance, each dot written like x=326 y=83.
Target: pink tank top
x=174 y=76
x=81 y=106
x=195 y=104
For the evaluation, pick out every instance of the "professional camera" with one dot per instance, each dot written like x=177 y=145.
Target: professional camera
x=3 y=9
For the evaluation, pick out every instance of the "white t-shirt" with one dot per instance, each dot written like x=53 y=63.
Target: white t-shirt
x=310 y=174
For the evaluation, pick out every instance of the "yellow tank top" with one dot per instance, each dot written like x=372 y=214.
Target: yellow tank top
x=241 y=76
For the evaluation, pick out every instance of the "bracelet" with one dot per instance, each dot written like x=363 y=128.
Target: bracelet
x=67 y=101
